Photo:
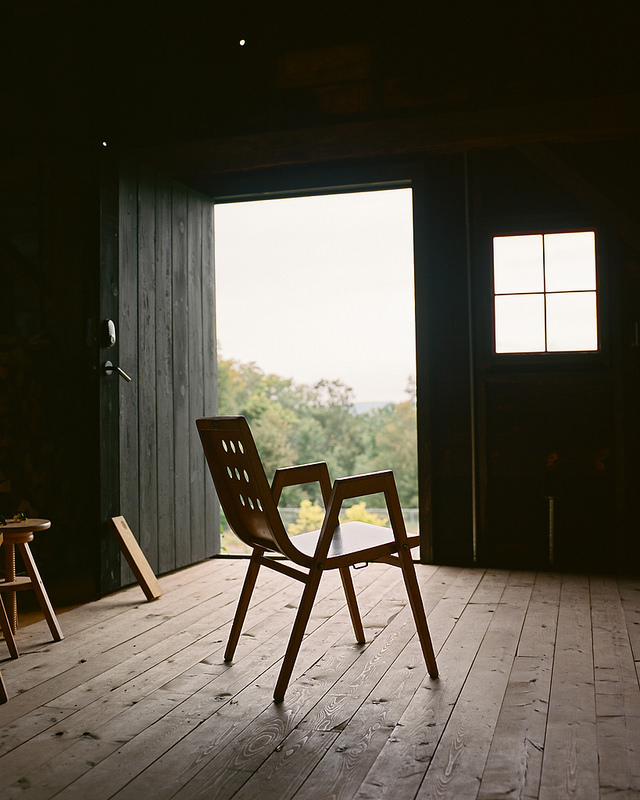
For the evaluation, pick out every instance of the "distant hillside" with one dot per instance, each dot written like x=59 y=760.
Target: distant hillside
x=364 y=408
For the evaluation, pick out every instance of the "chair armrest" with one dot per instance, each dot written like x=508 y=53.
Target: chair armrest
x=357 y=486
x=302 y=473
x=369 y=483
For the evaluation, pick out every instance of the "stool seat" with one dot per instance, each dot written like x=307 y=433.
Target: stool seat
x=23 y=531
x=18 y=535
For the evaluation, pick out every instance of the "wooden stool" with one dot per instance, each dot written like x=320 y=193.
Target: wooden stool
x=19 y=534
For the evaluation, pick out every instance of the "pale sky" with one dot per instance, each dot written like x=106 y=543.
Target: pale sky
x=320 y=287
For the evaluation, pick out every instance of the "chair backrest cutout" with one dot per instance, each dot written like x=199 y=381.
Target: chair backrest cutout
x=241 y=483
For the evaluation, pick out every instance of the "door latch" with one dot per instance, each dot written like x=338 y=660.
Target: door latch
x=108 y=368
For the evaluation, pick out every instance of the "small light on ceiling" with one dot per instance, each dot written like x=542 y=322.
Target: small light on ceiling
x=104 y=144
x=242 y=42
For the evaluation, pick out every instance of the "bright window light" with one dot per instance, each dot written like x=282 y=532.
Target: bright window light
x=544 y=288
x=520 y=323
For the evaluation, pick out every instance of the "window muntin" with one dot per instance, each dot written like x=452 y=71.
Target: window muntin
x=544 y=288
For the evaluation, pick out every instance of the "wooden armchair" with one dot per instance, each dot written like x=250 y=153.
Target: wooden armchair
x=250 y=506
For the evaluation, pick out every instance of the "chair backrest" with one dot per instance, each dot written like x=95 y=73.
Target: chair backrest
x=241 y=484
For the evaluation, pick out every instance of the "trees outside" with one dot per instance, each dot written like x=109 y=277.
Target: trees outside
x=297 y=424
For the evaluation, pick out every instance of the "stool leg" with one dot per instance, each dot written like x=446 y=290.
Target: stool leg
x=7 y=632
x=10 y=575
x=3 y=691
x=38 y=587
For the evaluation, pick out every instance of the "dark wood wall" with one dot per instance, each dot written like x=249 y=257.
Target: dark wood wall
x=83 y=241
x=556 y=447
x=443 y=361
x=49 y=449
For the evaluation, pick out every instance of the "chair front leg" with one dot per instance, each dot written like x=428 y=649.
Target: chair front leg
x=417 y=608
x=243 y=603
x=297 y=632
x=352 y=604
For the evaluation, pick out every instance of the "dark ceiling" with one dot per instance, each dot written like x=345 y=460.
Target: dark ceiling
x=77 y=73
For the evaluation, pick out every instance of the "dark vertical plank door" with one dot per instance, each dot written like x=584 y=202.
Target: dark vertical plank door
x=196 y=372
x=128 y=352
x=164 y=377
x=167 y=345
x=180 y=383
x=210 y=363
x=147 y=425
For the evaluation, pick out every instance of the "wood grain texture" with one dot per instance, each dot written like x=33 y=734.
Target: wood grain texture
x=514 y=763
x=570 y=762
x=180 y=338
x=135 y=558
x=617 y=696
x=166 y=315
x=127 y=350
x=537 y=695
x=459 y=761
x=195 y=366
x=147 y=472
x=163 y=297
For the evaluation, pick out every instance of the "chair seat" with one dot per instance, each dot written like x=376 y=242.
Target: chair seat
x=352 y=542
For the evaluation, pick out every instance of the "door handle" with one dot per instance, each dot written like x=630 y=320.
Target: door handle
x=108 y=368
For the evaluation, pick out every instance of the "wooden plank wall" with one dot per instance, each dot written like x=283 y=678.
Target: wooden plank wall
x=445 y=449
x=167 y=345
x=548 y=426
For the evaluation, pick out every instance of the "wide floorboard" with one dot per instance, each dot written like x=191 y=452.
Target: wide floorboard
x=537 y=697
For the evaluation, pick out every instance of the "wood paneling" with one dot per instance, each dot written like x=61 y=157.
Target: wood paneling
x=167 y=345
x=444 y=372
x=550 y=438
x=164 y=377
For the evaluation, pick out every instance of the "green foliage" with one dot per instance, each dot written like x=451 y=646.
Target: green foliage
x=310 y=518
x=359 y=513
x=298 y=424
x=395 y=443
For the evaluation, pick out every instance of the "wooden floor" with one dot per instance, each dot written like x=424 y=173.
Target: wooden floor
x=538 y=694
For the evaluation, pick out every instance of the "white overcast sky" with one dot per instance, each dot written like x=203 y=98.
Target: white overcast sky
x=320 y=287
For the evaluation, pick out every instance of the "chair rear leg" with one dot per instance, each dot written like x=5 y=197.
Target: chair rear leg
x=3 y=691
x=297 y=632
x=417 y=608
x=352 y=603
x=243 y=603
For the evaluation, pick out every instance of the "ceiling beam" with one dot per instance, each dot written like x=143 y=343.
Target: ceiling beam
x=599 y=119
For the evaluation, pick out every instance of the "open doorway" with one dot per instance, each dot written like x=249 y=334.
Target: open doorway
x=316 y=338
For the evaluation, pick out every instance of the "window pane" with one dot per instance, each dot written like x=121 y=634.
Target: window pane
x=517 y=264
x=520 y=323
x=570 y=261
x=572 y=321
